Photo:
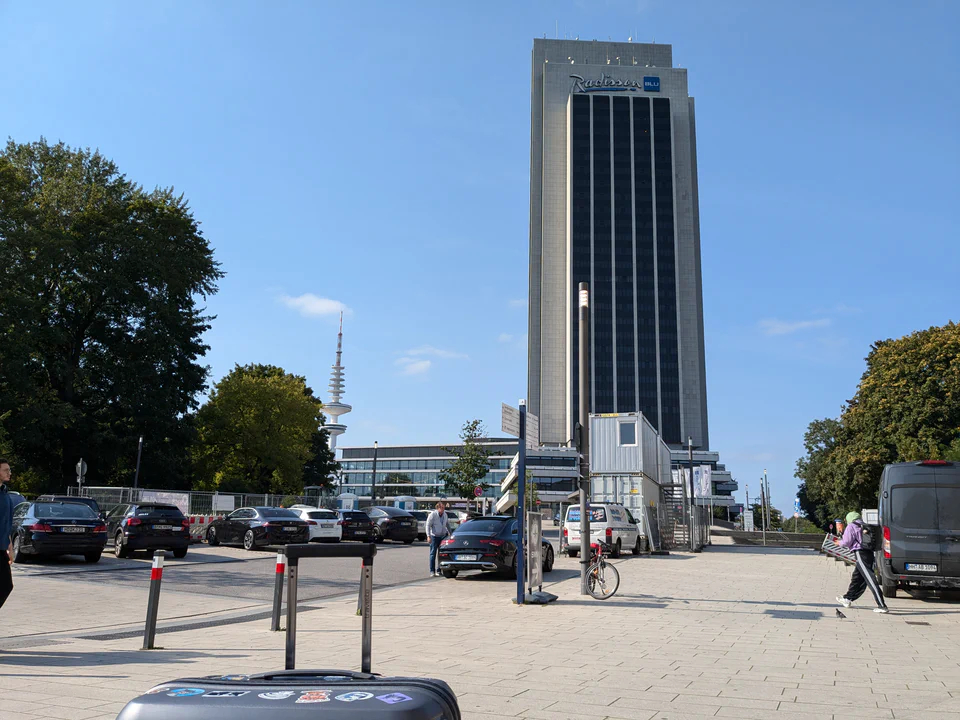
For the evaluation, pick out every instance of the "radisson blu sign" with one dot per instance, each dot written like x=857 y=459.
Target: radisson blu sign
x=606 y=83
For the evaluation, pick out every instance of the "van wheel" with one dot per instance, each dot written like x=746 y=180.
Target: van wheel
x=637 y=548
x=616 y=549
x=889 y=588
x=573 y=553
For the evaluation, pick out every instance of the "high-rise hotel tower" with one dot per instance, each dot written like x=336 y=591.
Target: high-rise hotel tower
x=613 y=202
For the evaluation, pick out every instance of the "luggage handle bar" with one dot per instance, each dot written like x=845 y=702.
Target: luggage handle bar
x=312 y=675
x=366 y=552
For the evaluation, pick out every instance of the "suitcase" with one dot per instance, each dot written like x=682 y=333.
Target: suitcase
x=334 y=694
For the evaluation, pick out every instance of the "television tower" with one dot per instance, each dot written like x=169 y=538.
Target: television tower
x=334 y=409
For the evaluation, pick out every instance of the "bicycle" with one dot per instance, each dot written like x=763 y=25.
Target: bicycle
x=602 y=579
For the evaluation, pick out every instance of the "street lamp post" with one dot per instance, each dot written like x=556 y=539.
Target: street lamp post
x=373 y=485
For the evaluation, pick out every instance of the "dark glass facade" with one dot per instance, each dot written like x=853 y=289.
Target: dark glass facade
x=622 y=242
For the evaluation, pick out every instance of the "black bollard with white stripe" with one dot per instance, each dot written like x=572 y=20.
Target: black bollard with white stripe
x=278 y=590
x=153 y=601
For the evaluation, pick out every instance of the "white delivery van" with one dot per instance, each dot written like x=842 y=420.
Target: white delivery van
x=609 y=523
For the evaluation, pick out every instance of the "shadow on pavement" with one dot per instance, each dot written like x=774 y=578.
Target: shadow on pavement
x=99 y=658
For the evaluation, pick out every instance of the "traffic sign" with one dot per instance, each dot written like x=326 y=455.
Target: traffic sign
x=510 y=424
x=477 y=491
x=81 y=468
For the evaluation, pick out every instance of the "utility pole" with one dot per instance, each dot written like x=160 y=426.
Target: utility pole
x=584 y=435
x=747 y=508
x=766 y=484
x=373 y=485
x=521 y=501
x=693 y=497
x=136 y=475
x=763 y=504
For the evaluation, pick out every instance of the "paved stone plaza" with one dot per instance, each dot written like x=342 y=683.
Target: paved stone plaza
x=731 y=632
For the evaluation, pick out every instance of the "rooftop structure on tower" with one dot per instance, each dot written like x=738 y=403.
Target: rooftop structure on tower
x=334 y=409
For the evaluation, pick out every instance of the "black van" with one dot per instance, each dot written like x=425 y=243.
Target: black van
x=920 y=525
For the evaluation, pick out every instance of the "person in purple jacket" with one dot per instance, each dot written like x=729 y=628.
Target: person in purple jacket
x=863 y=576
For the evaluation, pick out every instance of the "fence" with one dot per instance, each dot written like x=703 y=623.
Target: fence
x=195 y=502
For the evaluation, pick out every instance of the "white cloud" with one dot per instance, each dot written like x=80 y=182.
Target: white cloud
x=518 y=303
x=782 y=327
x=436 y=352
x=310 y=305
x=505 y=337
x=412 y=366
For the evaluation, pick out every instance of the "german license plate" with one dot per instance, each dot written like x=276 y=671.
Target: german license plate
x=290 y=529
x=464 y=558
x=361 y=532
x=163 y=527
x=921 y=568
x=74 y=529
x=326 y=525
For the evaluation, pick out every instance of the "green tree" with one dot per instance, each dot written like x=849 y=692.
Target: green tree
x=776 y=517
x=530 y=492
x=907 y=407
x=100 y=291
x=256 y=432
x=469 y=469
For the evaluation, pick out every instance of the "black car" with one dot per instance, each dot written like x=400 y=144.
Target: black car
x=356 y=524
x=488 y=544
x=50 y=529
x=390 y=523
x=918 y=543
x=88 y=501
x=256 y=526
x=148 y=526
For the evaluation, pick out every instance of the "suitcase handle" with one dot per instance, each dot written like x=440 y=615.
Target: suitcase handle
x=312 y=675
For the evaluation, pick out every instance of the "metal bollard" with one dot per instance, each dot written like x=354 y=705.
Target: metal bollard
x=278 y=591
x=153 y=600
x=291 y=640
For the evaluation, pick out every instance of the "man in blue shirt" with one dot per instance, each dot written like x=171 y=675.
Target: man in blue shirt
x=6 y=527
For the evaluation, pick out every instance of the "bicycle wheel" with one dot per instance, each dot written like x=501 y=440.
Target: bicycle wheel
x=603 y=581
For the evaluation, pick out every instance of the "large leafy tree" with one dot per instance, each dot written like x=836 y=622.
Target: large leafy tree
x=471 y=464
x=258 y=433
x=907 y=407
x=101 y=323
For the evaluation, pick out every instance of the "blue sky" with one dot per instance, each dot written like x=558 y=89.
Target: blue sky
x=375 y=156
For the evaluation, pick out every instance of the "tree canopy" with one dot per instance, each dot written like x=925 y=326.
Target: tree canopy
x=260 y=432
x=906 y=408
x=101 y=323
x=469 y=469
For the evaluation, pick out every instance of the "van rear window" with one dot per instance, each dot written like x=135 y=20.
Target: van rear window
x=948 y=501
x=598 y=514
x=914 y=507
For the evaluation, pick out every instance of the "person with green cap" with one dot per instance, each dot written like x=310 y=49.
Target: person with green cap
x=863 y=576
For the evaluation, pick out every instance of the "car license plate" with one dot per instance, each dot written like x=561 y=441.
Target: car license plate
x=361 y=532
x=72 y=529
x=326 y=525
x=464 y=557
x=290 y=529
x=163 y=527
x=921 y=568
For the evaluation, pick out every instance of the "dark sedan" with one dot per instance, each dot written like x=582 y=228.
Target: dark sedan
x=356 y=525
x=148 y=526
x=50 y=529
x=390 y=523
x=256 y=526
x=488 y=544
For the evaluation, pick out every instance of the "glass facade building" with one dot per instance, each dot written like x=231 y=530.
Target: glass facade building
x=614 y=204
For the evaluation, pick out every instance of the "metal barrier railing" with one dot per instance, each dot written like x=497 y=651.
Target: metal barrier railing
x=832 y=548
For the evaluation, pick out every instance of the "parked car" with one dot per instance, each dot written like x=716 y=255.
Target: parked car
x=390 y=523
x=421 y=516
x=919 y=515
x=609 y=522
x=488 y=544
x=256 y=526
x=49 y=529
x=356 y=525
x=148 y=526
x=88 y=501
x=324 y=524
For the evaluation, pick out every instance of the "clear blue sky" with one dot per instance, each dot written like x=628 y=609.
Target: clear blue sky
x=376 y=155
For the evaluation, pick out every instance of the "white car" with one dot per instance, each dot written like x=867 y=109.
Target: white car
x=609 y=523
x=324 y=524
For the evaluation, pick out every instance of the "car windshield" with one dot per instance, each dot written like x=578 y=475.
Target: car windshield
x=419 y=514
x=278 y=513
x=597 y=514
x=159 y=511
x=355 y=515
x=74 y=511
x=322 y=515
x=481 y=527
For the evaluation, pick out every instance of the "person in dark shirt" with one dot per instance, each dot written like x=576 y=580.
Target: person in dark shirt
x=6 y=528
